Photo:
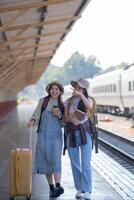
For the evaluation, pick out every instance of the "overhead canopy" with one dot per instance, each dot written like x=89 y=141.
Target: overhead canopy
x=30 y=33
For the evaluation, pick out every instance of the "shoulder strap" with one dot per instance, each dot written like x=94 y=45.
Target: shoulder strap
x=45 y=103
x=43 y=107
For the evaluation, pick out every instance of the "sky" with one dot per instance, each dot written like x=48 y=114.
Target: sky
x=106 y=30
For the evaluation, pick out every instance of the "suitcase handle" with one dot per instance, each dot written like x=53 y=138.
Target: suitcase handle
x=30 y=147
x=18 y=171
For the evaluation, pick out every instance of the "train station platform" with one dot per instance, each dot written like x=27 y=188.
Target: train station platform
x=14 y=134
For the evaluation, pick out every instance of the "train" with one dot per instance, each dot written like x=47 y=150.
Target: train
x=113 y=91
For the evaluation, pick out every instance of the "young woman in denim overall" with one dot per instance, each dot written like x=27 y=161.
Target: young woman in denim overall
x=79 y=142
x=47 y=116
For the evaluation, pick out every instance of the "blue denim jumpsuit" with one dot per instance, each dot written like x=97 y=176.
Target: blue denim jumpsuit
x=49 y=145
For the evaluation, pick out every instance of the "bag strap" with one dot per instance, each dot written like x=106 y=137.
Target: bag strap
x=43 y=107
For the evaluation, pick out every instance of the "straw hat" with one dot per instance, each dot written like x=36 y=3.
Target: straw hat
x=83 y=83
x=55 y=83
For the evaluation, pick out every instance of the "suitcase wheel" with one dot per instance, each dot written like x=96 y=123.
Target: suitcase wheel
x=28 y=197
x=11 y=198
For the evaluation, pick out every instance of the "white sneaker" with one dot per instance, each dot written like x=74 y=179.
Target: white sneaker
x=87 y=196
x=79 y=194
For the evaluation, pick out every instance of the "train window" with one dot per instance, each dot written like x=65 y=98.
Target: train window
x=114 y=88
x=129 y=85
x=111 y=88
x=102 y=88
x=107 y=88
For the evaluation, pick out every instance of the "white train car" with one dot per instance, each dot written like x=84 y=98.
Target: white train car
x=127 y=90
x=114 y=91
x=106 y=89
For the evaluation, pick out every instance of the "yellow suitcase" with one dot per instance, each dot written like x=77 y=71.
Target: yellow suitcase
x=20 y=173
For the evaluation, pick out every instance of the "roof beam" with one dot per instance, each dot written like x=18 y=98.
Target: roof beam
x=10 y=61
x=46 y=22
x=45 y=51
x=32 y=5
x=2 y=44
x=10 y=73
x=30 y=57
x=35 y=45
x=14 y=18
x=40 y=57
x=14 y=74
x=6 y=72
x=15 y=61
x=20 y=32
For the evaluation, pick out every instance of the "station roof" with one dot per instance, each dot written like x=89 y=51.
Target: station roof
x=30 y=33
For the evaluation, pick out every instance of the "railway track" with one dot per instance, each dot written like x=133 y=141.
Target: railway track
x=118 y=148
x=115 y=163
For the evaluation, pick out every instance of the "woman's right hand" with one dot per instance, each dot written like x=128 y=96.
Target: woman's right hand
x=56 y=111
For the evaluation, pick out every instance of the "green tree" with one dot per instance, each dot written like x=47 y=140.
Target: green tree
x=78 y=66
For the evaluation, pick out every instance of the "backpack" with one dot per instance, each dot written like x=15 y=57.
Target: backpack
x=93 y=125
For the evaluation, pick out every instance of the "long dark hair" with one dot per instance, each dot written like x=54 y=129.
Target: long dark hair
x=60 y=104
x=81 y=105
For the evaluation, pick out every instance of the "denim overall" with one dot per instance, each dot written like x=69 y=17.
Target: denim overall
x=49 y=145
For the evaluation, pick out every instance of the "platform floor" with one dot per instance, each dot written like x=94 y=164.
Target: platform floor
x=101 y=189
x=13 y=134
